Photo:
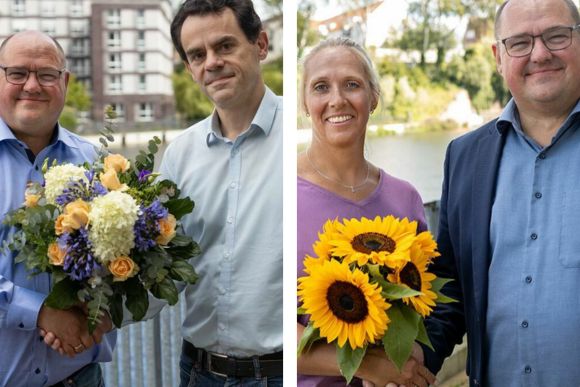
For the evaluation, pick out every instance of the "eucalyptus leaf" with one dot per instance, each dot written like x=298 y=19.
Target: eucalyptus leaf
x=349 y=360
x=401 y=333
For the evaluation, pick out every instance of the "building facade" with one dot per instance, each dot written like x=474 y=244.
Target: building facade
x=121 y=50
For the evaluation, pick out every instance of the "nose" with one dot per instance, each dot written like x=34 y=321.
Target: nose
x=336 y=97
x=32 y=85
x=540 y=53
x=213 y=61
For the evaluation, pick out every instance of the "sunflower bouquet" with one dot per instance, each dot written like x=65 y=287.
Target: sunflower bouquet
x=107 y=232
x=368 y=284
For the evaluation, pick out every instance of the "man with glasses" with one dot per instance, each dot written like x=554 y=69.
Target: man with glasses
x=510 y=211
x=33 y=83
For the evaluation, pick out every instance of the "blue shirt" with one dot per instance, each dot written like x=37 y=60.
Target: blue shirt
x=24 y=358
x=533 y=315
x=235 y=308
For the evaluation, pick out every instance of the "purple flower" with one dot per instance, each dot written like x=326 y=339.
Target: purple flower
x=79 y=261
x=147 y=225
x=143 y=175
x=79 y=189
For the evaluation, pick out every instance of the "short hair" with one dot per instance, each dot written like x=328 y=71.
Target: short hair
x=356 y=49
x=569 y=3
x=247 y=18
x=56 y=43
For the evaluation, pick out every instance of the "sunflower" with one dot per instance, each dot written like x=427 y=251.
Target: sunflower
x=322 y=247
x=343 y=304
x=414 y=275
x=382 y=240
x=427 y=244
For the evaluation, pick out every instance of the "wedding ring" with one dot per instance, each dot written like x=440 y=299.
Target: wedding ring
x=79 y=348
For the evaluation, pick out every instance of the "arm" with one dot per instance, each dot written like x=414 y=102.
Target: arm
x=375 y=367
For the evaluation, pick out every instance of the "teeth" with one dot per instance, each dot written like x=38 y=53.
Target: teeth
x=339 y=119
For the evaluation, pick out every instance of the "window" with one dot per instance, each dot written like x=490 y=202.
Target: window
x=48 y=27
x=48 y=8
x=115 y=85
x=78 y=28
x=114 y=62
x=114 y=18
x=144 y=112
x=142 y=83
x=141 y=62
x=140 y=19
x=119 y=109
x=18 y=7
x=79 y=47
x=114 y=39
x=76 y=8
x=141 y=40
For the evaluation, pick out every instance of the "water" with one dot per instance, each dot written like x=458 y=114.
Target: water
x=417 y=158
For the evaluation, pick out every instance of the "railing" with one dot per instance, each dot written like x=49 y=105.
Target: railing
x=147 y=354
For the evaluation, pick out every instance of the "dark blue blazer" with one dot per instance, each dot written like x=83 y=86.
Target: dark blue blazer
x=471 y=167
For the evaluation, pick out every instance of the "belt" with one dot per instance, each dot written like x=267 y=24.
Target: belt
x=226 y=366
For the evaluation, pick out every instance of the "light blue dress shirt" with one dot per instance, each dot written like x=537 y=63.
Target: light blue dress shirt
x=533 y=315
x=235 y=308
x=24 y=358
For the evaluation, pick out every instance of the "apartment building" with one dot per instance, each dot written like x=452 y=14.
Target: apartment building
x=120 y=49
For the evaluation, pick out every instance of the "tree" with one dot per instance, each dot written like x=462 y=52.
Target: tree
x=272 y=74
x=305 y=36
x=190 y=102
x=77 y=100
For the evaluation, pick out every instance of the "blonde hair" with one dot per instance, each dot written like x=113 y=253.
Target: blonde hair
x=355 y=48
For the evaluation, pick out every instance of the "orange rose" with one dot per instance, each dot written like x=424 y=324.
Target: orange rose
x=111 y=181
x=76 y=214
x=117 y=163
x=166 y=230
x=59 y=228
x=55 y=254
x=122 y=268
x=31 y=200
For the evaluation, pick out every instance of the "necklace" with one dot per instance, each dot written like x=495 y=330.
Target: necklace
x=352 y=188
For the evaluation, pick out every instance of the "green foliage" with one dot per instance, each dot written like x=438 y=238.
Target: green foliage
x=68 y=118
x=349 y=360
x=272 y=75
x=309 y=336
x=77 y=100
x=401 y=334
x=190 y=101
x=63 y=295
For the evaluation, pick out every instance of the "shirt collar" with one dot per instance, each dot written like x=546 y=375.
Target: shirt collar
x=510 y=118
x=63 y=135
x=263 y=119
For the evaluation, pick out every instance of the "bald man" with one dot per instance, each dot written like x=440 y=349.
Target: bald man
x=33 y=84
x=510 y=209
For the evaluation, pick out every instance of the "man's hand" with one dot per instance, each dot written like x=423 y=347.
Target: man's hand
x=380 y=371
x=69 y=326
x=51 y=339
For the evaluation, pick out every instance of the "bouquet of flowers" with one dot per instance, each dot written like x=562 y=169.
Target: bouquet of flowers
x=369 y=283
x=107 y=232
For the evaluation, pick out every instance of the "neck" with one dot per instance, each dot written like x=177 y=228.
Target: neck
x=344 y=167
x=235 y=119
x=35 y=143
x=542 y=122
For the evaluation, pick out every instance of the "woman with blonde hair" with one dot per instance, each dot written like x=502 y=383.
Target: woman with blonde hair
x=339 y=92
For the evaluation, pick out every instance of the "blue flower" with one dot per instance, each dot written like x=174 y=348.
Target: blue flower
x=79 y=261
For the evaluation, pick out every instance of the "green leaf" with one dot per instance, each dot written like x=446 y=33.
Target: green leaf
x=391 y=291
x=96 y=306
x=137 y=301
x=63 y=295
x=438 y=283
x=422 y=336
x=443 y=299
x=179 y=207
x=349 y=360
x=116 y=309
x=183 y=271
x=183 y=251
x=165 y=290
x=309 y=336
x=401 y=333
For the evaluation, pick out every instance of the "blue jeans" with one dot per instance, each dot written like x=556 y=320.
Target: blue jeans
x=192 y=377
x=88 y=376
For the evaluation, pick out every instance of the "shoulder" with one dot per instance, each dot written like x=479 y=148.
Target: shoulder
x=81 y=144
x=190 y=136
x=397 y=184
x=472 y=137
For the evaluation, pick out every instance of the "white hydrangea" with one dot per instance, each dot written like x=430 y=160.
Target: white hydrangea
x=57 y=178
x=112 y=218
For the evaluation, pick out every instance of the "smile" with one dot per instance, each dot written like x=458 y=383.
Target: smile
x=339 y=119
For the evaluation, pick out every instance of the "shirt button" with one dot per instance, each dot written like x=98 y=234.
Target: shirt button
x=529 y=279
x=37 y=371
x=528 y=369
x=534 y=236
x=21 y=325
x=542 y=155
x=538 y=195
x=524 y=324
x=230 y=219
x=227 y=254
x=232 y=185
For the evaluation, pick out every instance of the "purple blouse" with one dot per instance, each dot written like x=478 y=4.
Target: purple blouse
x=316 y=205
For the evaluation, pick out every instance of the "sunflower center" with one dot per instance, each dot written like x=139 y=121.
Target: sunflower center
x=410 y=276
x=371 y=241
x=347 y=302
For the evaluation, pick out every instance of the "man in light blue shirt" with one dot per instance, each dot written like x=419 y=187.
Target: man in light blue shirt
x=33 y=82
x=510 y=211
x=230 y=164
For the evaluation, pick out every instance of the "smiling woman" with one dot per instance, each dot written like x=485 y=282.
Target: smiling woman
x=340 y=90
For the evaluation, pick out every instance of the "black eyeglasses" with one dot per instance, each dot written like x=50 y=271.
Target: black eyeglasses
x=556 y=38
x=19 y=75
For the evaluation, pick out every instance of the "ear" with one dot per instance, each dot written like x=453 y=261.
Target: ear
x=262 y=43
x=66 y=79
x=496 y=53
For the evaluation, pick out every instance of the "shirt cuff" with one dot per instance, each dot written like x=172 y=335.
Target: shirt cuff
x=24 y=308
